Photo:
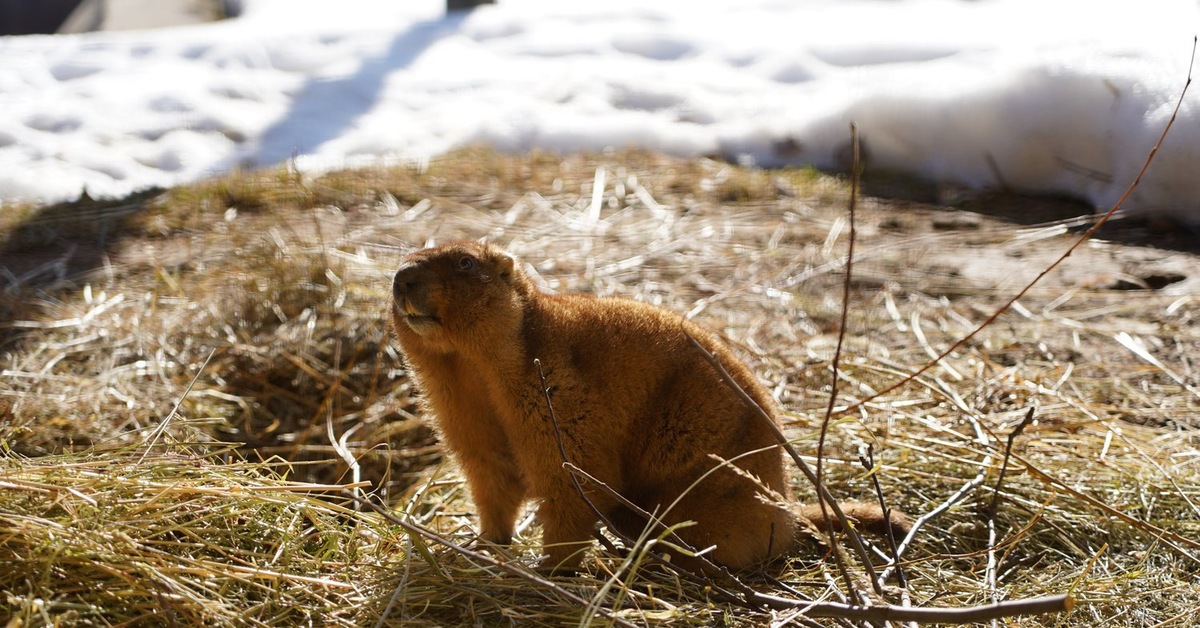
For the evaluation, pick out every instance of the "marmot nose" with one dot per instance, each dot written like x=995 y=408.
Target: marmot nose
x=404 y=281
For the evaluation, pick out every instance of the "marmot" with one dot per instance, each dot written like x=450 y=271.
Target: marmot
x=636 y=406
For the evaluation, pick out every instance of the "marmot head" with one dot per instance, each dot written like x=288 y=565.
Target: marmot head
x=457 y=296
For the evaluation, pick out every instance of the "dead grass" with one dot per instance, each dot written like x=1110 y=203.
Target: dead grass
x=177 y=539
x=232 y=517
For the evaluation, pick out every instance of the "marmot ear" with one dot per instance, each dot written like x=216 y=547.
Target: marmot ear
x=505 y=264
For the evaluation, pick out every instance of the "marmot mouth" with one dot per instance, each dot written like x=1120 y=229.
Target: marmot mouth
x=414 y=317
x=422 y=324
x=421 y=319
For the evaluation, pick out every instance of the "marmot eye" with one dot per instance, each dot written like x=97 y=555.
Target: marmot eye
x=466 y=262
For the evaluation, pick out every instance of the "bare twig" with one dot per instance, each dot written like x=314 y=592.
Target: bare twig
x=995 y=505
x=1084 y=237
x=868 y=463
x=751 y=598
x=973 y=614
x=822 y=492
x=1012 y=436
x=835 y=365
x=959 y=495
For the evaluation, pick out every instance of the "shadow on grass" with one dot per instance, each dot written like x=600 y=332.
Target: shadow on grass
x=1038 y=209
x=297 y=355
x=46 y=252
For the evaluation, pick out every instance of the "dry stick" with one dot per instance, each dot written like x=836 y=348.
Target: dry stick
x=562 y=450
x=574 y=471
x=868 y=463
x=995 y=505
x=753 y=599
x=978 y=480
x=822 y=493
x=882 y=613
x=539 y=581
x=958 y=496
x=1004 y=463
x=1084 y=237
x=834 y=547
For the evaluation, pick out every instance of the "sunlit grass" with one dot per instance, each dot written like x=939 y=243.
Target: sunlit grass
x=268 y=290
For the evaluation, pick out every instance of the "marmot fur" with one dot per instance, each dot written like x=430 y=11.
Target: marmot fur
x=636 y=406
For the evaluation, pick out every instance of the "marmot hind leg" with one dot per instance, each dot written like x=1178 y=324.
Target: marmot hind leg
x=865 y=516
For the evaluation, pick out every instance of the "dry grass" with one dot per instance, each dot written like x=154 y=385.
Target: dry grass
x=235 y=516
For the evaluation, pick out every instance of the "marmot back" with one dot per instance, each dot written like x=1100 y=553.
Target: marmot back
x=636 y=407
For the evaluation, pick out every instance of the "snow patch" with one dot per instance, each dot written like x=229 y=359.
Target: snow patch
x=1065 y=97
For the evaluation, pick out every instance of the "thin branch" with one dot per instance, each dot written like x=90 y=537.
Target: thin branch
x=753 y=599
x=972 y=614
x=868 y=463
x=855 y=165
x=959 y=495
x=995 y=505
x=1008 y=455
x=1084 y=237
x=822 y=492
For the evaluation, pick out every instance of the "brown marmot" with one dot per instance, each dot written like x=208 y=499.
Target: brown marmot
x=636 y=406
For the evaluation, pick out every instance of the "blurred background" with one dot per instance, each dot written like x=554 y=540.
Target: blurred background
x=47 y=17
x=27 y=17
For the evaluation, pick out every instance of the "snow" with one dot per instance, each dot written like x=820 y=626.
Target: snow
x=1044 y=97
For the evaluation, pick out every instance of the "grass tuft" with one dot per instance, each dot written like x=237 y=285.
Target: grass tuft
x=177 y=539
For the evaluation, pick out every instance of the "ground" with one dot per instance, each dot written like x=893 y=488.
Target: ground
x=220 y=351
